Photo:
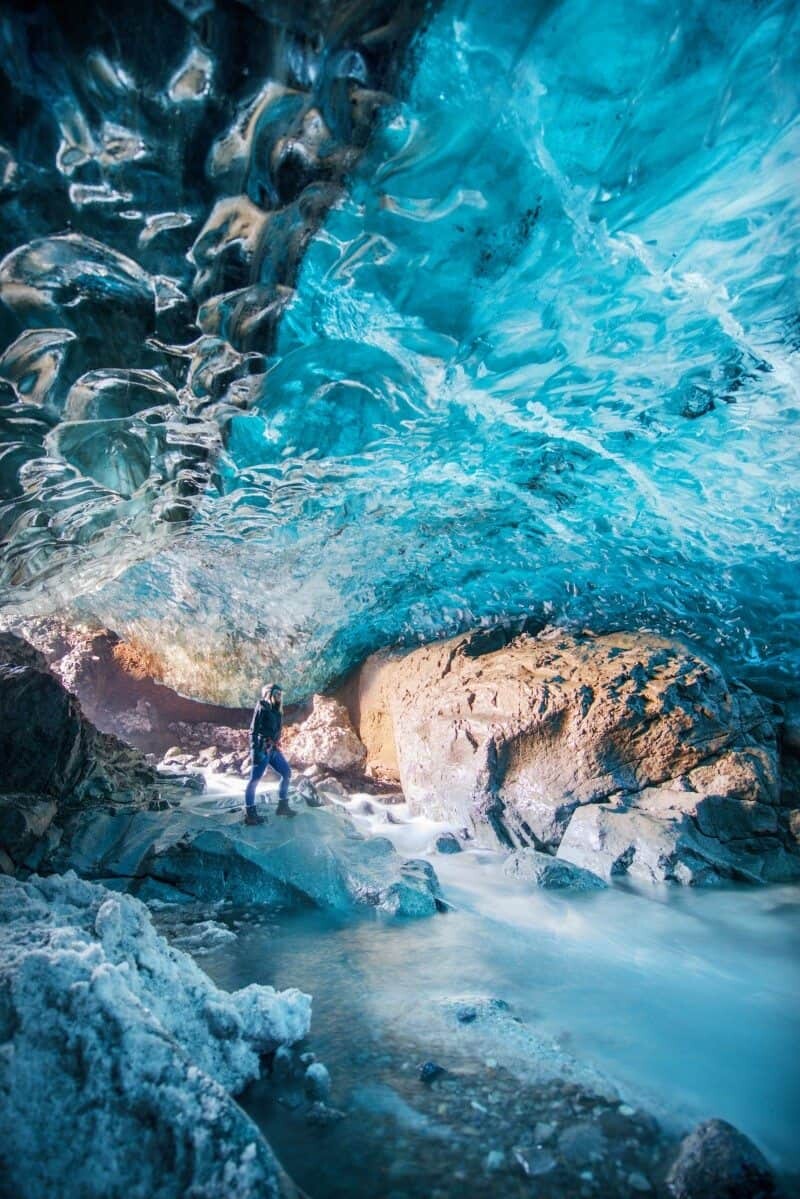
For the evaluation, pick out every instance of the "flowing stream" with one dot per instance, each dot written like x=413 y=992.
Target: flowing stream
x=685 y=1000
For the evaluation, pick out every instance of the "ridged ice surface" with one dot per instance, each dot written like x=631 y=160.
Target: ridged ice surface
x=538 y=354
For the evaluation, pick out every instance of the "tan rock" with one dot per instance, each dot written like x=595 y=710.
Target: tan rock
x=326 y=738
x=514 y=738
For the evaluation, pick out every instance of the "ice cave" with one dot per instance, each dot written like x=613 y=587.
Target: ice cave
x=399 y=599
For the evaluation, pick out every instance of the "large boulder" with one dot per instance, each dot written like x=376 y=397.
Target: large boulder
x=326 y=738
x=716 y=1161
x=208 y=853
x=119 y=1056
x=523 y=736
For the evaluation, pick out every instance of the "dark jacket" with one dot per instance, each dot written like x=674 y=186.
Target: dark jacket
x=265 y=727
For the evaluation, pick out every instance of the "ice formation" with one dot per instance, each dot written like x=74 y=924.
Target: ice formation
x=540 y=353
x=118 y=1055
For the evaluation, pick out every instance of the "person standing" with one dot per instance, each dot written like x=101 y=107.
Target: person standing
x=265 y=735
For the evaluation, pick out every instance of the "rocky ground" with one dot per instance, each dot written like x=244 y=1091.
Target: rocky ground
x=499 y=1112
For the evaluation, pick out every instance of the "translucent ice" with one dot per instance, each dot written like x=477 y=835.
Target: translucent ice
x=541 y=354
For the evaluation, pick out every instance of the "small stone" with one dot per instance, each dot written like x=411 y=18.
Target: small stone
x=466 y=1014
x=625 y=1109
x=447 y=843
x=429 y=1071
x=491 y=1063
x=543 y=1133
x=638 y=1182
x=495 y=1160
x=716 y=1161
x=317 y=1081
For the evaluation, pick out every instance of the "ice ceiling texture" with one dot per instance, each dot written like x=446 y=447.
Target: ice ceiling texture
x=330 y=326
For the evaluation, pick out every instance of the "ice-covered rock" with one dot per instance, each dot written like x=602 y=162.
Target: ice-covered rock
x=326 y=737
x=118 y=1055
x=209 y=853
x=524 y=736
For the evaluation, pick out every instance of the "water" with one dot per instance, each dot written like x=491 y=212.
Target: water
x=686 y=1000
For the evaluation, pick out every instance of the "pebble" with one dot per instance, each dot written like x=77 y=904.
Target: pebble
x=625 y=1109
x=429 y=1071
x=638 y=1182
x=491 y=1064
x=494 y=1160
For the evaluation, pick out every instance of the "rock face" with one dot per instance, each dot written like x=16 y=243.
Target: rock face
x=326 y=738
x=118 y=685
x=51 y=757
x=624 y=753
x=716 y=1161
x=118 y=1055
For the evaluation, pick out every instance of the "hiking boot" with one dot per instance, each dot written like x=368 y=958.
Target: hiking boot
x=251 y=816
x=283 y=809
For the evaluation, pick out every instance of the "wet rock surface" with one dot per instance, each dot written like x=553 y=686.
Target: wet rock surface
x=549 y=872
x=199 y=851
x=468 y=1122
x=626 y=753
x=716 y=1161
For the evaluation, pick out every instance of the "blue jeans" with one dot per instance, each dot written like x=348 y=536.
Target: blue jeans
x=268 y=757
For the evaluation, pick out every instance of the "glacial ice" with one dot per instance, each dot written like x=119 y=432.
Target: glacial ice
x=540 y=355
x=118 y=1055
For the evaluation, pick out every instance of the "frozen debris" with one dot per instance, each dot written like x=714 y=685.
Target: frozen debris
x=119 y=1055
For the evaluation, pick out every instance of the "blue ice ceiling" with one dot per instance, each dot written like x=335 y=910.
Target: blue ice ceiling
x=538 y=355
